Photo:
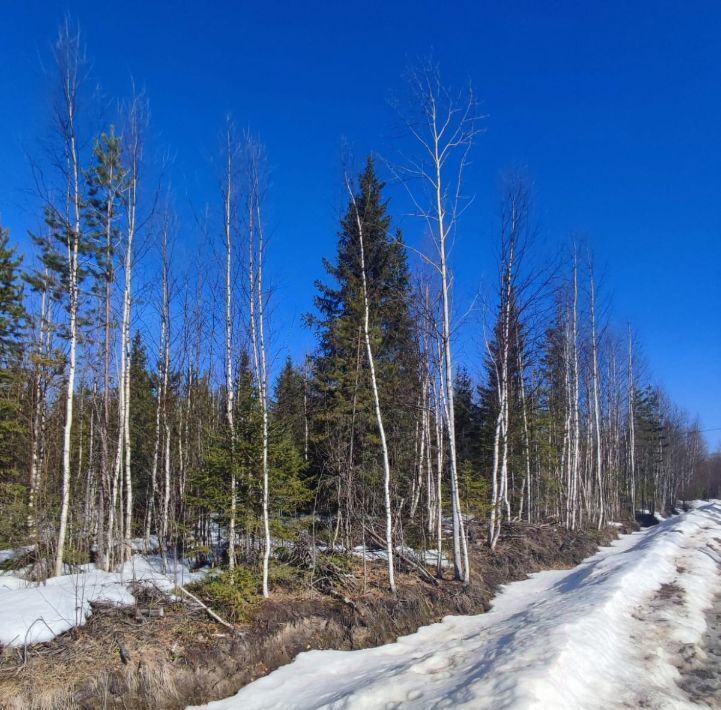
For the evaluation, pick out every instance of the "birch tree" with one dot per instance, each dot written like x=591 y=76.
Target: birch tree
x=69 y=60
x=163 y=415
x=631 y=394
x=445 y=131
x=134 y=147
x=106 y=193
x=574 y=392
x=257 y=316
x=229 y=216
x=596 y=402
x=374 y=386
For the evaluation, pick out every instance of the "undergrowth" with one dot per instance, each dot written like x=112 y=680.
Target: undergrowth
x=234 y=594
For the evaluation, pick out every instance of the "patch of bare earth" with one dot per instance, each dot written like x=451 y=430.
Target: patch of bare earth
x=700 y=665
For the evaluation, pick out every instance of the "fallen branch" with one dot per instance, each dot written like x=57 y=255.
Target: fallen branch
x=342 y=598
x=408 y=560
x=210 y=612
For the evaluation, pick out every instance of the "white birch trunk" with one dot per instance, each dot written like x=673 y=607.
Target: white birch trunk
x=163 y=394
x=134 y=157
x=460 y=548
x=263 y=404
x=597 y=408
x=631 y=423
x=376 y=397
x=257 y=335
x=70 y=85
x=576 y=453
x=439 y=477
x=229 y=379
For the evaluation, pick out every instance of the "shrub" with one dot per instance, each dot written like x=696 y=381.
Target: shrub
x=232 y=593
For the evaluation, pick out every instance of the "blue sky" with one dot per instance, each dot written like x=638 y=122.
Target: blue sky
x=613 y=107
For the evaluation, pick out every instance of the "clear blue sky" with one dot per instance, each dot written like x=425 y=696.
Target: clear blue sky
x=614 y=107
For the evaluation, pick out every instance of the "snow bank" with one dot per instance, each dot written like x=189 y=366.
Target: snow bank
x=33 y=613
x=604 y=634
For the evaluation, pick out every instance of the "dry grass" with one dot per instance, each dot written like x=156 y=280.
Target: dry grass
x=184 y=658
x=87 y=661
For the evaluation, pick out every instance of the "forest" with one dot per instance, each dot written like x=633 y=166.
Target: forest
x=187 y=438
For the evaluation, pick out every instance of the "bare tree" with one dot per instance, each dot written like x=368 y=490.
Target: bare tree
x=69 y=60
x=162 y=412
x=445 y=130
x=134 y=147
x=257 y=315
x=631 y=423
x=575 y=439
x=229 y=216
x=596 y=402
x=507 y=357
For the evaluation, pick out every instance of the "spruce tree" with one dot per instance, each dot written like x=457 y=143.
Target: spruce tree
x=468 y=422
x=344 y=428
x=13 y=428
x=290 y=405
x=142 y=423
x=13 y=317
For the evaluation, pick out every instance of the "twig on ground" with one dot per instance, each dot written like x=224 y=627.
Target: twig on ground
x=210 y=612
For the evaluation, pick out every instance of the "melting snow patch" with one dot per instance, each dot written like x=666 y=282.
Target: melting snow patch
x=604 y=634
x=428 y=557
x=6 y=555
x=34 y=613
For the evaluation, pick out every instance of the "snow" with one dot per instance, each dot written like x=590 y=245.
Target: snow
x=140 y=544
x=34 y=613
x=428 y=557
x=605 y=634
x=6 y=555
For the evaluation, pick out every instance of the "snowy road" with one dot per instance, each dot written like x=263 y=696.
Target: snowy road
x=625 y=629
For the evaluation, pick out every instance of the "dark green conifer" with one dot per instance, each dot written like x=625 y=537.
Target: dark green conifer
x=344 y=426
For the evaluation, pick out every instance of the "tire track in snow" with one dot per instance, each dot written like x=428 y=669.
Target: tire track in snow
x=701 y=666
x=697 y=683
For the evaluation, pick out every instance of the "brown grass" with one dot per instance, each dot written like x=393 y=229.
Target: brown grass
x=184 y=658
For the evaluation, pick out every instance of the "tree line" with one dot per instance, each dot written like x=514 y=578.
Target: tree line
x=116 y=439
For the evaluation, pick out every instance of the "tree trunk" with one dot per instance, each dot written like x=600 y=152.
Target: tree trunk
x=376 y=397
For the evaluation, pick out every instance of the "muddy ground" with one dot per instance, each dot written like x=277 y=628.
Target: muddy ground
x=700 y=665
